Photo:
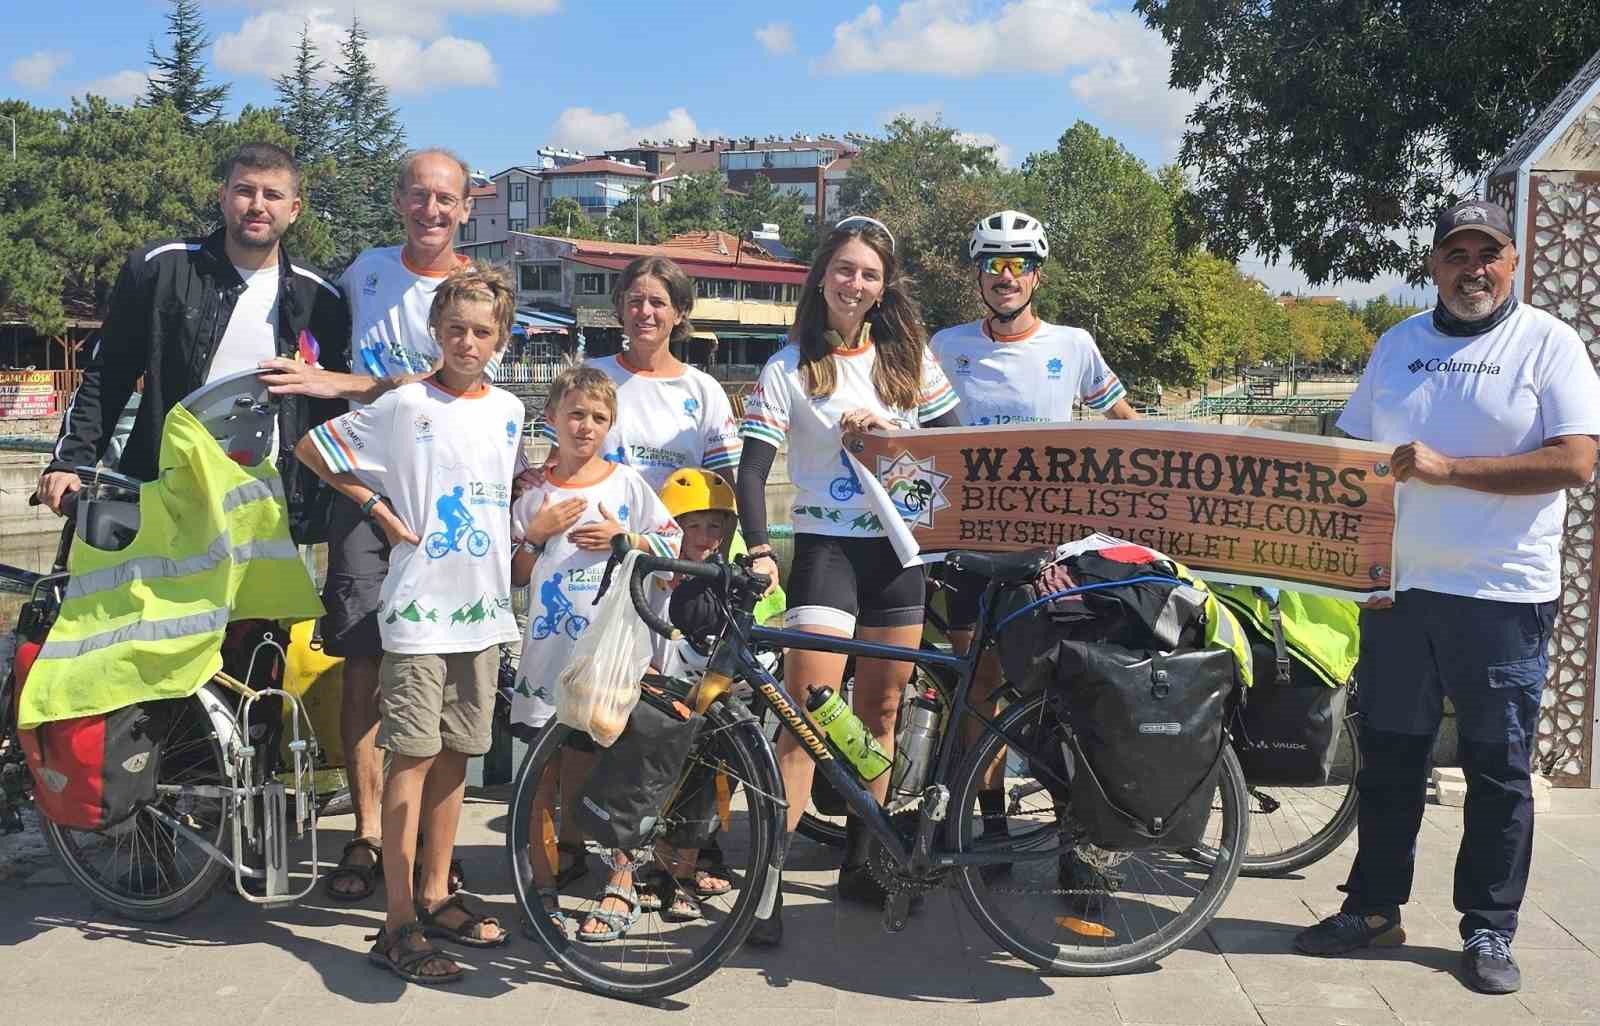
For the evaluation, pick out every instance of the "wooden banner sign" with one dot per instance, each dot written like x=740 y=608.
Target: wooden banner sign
x=1243 y=505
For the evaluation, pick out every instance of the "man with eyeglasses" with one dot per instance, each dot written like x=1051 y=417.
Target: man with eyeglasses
x=1013 y=368
x=390 y=290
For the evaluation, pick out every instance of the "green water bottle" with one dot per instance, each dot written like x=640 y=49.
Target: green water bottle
x=846 y=733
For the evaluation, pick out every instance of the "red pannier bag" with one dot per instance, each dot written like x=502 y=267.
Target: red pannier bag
x=92 y=772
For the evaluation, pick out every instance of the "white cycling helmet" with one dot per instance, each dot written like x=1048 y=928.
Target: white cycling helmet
x=1006 y=233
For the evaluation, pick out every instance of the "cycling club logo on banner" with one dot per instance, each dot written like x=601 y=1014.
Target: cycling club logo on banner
x=915 y=487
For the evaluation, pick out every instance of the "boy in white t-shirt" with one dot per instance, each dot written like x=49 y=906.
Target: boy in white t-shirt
x=430 y=463
x=563 y=527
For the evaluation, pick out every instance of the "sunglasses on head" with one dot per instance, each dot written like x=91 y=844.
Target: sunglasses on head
x=1017 y=265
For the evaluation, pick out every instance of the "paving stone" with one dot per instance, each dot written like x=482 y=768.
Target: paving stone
x=1203 y=998
x=1312 y=1015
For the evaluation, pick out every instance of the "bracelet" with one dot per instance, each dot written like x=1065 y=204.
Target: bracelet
x=760 y=552
x=531 y=547
x=367 y=507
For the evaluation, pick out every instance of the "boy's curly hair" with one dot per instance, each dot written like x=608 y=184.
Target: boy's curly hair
x=479 y=282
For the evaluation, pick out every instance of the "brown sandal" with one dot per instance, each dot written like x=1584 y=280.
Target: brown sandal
x=395 y=954
x=364 y=875
x=465 y=932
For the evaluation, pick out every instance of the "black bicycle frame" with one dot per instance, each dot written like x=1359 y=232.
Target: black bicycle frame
x=744 y=633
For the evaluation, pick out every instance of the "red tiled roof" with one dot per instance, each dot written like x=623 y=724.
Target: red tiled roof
x=598 y=167
x=707 y=254
x=747 y=270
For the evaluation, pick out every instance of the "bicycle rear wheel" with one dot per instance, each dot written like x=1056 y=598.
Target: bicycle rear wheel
x=1292 y=827
x=142 y=869
x=1072 y=907
x=656 y=957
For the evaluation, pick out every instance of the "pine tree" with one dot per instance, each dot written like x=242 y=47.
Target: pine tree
x=367 y=144
x=179 y=78
x=304 y=106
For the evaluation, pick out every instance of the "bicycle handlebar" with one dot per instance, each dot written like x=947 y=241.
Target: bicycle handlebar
x=727 y=574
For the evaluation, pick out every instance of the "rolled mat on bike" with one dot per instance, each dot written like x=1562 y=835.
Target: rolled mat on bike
x=147 y=621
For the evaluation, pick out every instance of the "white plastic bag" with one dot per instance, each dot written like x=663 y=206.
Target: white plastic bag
x=600 y=686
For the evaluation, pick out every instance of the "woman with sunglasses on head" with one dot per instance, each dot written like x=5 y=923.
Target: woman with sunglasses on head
x=1013 y=368
x=856 y=360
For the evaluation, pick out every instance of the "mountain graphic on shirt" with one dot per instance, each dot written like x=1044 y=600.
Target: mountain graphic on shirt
x=413 y=613
x=475 y=613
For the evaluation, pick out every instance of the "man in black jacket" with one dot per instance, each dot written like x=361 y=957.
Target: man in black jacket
x=186 y=312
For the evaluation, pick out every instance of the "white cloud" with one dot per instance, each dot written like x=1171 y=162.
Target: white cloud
x=777 y=37
x=421 y=19
x=1118 y=68
x=122 y=87
x=590 y=131
x=407 y=63
x=37 y=69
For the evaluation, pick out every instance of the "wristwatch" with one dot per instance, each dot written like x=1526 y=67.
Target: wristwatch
x=367 y=507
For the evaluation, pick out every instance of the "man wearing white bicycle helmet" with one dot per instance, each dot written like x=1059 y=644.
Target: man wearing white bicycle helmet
x=1013 y=368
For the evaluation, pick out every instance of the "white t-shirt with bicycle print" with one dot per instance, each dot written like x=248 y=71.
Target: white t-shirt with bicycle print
x=828 y=497
x=444 y=462
x=566 y=578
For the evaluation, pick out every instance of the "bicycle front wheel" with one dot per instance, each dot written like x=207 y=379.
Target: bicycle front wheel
x=730 y=769
x=1071 y=907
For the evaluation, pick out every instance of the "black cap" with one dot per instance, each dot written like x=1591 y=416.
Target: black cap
x=1473 y=215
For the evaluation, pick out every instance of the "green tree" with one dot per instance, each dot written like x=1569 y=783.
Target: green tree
x=695 y=204
x=179 y=77
x=89 y=186
x=567 y=220
x=368 y=145
x=305 y=107
x=1112 y=251
x=763 y=202
x=1379 y=315
x=930 y=187
x=1207 y=321
x=637 y=219
x=1327 y=125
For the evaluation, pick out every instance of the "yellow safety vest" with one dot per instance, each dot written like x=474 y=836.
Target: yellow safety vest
x=147 y=622
x=1222 y=627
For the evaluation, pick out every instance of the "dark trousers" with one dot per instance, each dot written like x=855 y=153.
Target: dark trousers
x=1489 y=657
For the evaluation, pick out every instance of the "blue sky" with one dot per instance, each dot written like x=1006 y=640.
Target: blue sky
x=497 y=79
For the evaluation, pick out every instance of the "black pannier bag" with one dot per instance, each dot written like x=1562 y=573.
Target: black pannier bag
x=621 y=803
x=1147 y=739
x=1287 y=732
x=1166 y=614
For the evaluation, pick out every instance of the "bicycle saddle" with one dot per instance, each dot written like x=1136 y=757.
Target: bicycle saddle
x=1005 y=567
x=239 y=412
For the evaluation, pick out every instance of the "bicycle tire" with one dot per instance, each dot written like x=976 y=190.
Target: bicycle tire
x=190 y=754
x=737 y=738
x=436 y=545
x=1233 y=828
x=478 y=542
x=1264 y=860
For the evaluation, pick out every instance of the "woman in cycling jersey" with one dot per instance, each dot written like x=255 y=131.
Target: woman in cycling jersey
x=670 y=415
x=856 y=360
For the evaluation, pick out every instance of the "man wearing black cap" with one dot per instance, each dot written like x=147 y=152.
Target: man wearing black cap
x=1494 y=407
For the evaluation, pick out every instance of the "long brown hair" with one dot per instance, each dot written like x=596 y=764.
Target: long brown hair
x=679 y=286
x=897 y=330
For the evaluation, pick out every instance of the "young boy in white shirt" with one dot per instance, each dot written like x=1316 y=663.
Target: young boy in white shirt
x=431 y=463
x=564 y=528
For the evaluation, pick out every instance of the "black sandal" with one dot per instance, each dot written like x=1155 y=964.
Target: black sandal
x=394 y=954
x=365 y=875
x=463 y=933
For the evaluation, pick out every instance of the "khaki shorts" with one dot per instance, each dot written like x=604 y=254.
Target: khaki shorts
x=431 y=702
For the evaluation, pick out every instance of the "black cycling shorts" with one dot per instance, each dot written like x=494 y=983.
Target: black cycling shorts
x=845 y=582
